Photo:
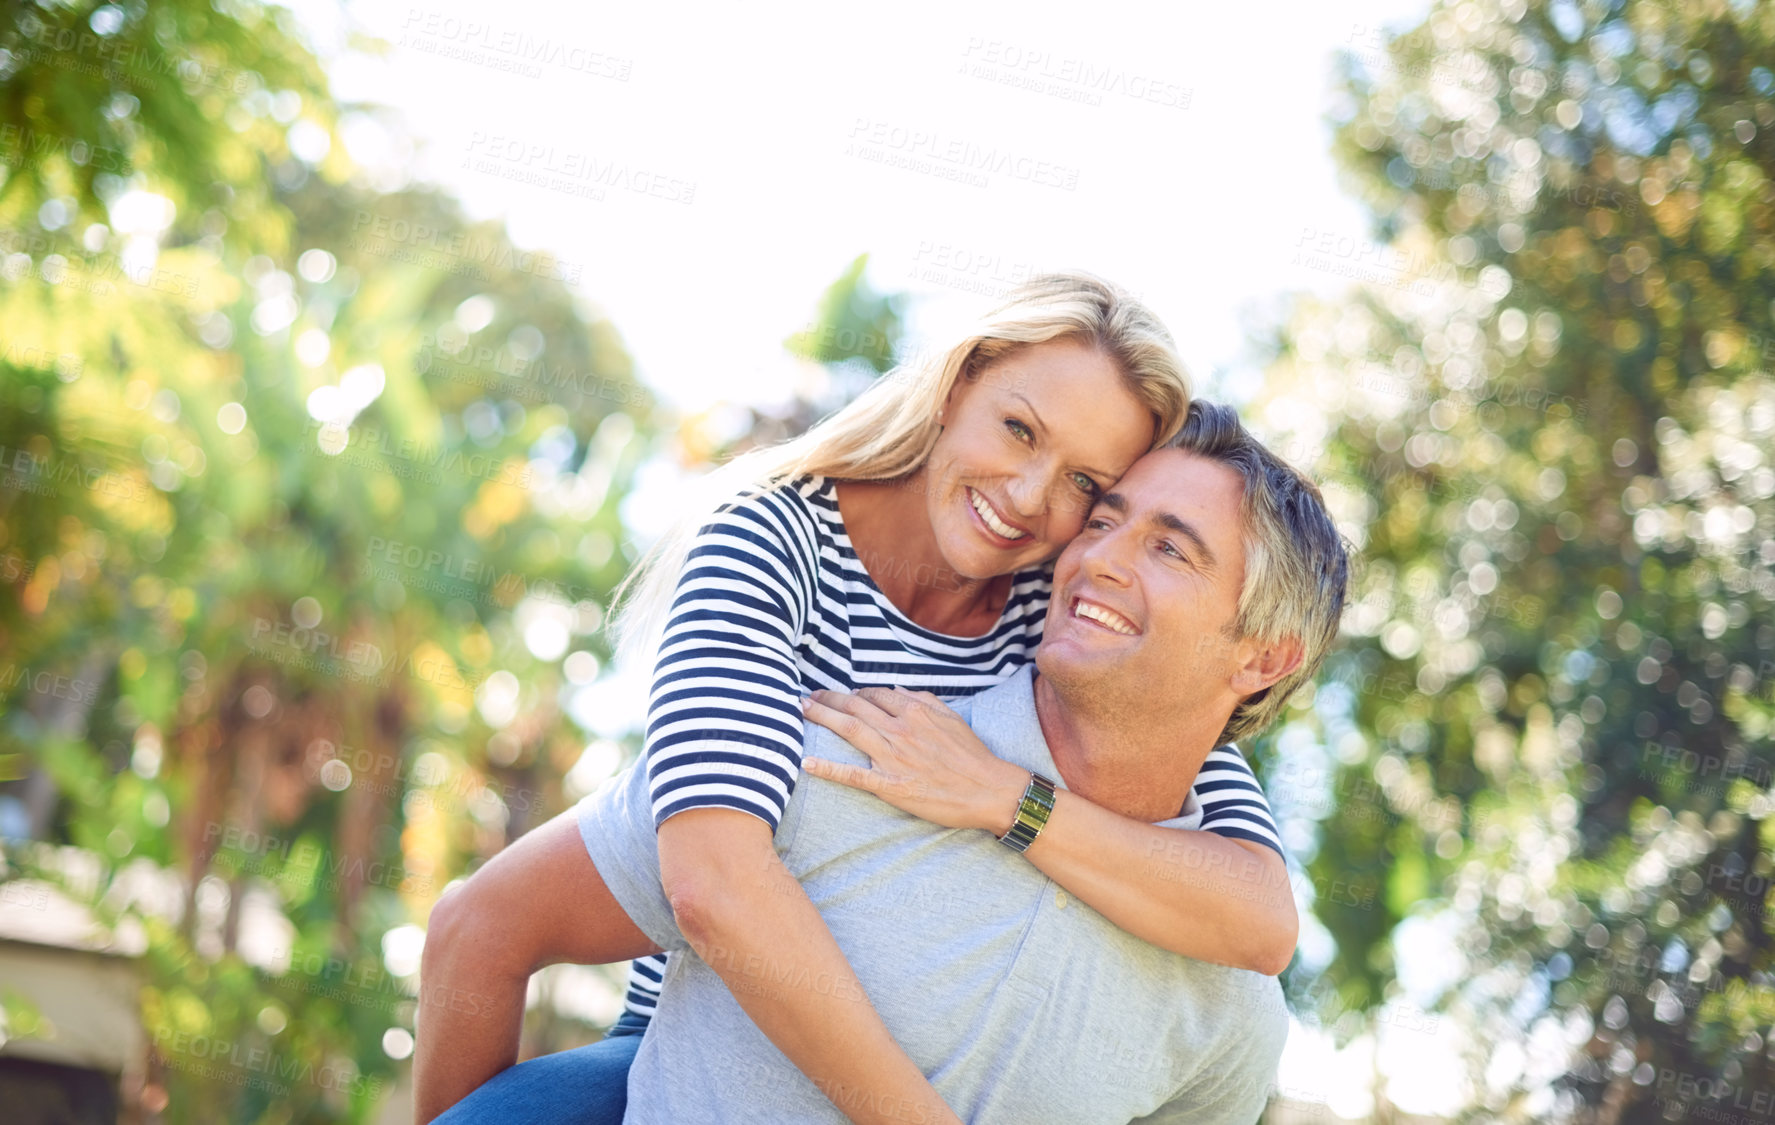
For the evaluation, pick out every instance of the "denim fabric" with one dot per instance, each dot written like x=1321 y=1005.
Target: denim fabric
x=585 y=1086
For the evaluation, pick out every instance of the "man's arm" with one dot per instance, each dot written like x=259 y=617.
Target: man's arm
x=751 y=922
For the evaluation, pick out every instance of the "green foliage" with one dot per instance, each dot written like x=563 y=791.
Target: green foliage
x=854 y=323
x=305 y=491
x=1553 y=424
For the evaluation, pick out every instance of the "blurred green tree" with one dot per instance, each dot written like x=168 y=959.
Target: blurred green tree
x=307 y=519
x=1548 y=412
x=853 y=323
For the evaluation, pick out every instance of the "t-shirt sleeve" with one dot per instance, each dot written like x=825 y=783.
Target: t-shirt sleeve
x=724 y=723
x=1231 y=800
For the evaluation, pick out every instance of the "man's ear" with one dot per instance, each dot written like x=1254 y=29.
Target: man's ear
x=1257 y=667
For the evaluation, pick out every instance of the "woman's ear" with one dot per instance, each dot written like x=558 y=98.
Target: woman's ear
x=957 y=392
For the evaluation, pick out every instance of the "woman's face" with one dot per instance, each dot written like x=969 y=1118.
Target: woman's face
x=1027 y=447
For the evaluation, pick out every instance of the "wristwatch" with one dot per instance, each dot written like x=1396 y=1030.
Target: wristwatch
x=1032 y=813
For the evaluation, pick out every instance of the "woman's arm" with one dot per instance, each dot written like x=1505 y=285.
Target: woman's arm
x=539 y=902
x=724 y=735
x=750 y=921
x=1188 y=891
x=1191 y=892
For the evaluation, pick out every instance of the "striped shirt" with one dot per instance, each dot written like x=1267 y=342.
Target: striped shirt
x=774 y=603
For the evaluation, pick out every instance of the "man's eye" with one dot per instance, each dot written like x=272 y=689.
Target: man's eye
x=1096 y=523
x=1171 y=548
x=1022 y=432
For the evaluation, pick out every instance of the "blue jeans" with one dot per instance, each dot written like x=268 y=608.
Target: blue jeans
x=585 y=1086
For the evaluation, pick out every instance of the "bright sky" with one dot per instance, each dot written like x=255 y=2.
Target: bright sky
x=711 y=170
x=1178 y=150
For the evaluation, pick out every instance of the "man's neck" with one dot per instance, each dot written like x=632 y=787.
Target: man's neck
x=1131 y=761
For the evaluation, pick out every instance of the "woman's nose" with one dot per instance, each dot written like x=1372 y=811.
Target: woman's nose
x=1027 y=494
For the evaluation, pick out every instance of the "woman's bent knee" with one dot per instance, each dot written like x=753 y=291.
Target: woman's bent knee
x=469 y=931
x=539 y=902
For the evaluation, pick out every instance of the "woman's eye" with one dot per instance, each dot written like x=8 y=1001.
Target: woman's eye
x=1022 y=432
x=1085 y=483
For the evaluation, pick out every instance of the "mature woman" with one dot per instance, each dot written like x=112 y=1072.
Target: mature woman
x=903 y=542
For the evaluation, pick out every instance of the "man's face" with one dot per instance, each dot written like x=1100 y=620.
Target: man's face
x=1145 y=597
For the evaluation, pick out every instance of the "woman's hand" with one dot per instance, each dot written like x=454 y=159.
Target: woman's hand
x=927 y=760
x=1209 y=897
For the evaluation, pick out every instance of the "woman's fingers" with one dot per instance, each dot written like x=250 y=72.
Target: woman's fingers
x=855 y=705
x=842 y=722
x=886 y=786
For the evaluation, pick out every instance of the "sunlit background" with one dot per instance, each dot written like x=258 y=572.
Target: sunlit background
x=352 y=353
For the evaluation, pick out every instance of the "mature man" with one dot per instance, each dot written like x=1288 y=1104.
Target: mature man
x=1205 y=588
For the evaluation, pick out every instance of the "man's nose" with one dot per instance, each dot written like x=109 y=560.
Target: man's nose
x=1107 y=557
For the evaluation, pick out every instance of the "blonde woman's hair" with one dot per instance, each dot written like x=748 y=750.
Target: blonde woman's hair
x=886 y=432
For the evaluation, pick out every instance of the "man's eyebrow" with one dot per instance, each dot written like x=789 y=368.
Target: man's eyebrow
x=1166 y=519
x=1043 y=426
x=1118 y=503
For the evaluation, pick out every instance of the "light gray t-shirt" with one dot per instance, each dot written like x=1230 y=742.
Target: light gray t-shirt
x=1019 y=1002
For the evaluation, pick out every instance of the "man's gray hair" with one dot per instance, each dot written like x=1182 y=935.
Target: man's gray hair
x=1296 y=564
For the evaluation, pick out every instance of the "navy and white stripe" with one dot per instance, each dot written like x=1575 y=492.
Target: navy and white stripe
x=1231 y=800
x=774 y=603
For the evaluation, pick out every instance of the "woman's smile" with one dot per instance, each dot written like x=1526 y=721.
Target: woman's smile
x=998 y=530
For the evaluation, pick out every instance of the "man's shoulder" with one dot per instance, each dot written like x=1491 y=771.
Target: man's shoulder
x=1259 y=1030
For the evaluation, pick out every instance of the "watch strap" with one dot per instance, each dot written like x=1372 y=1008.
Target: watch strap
x=1032 y=813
